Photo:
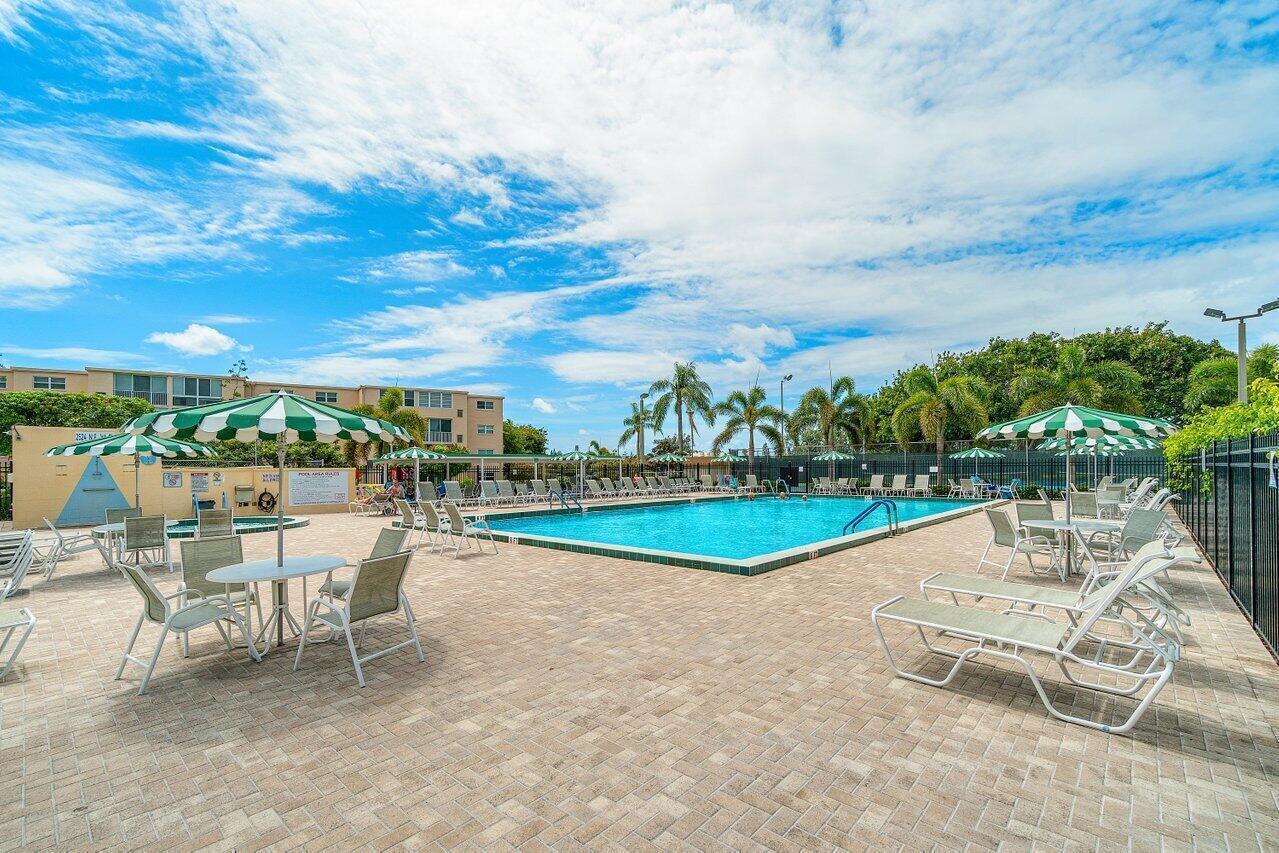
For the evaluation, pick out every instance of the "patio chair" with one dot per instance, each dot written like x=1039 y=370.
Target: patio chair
x=553 y=486
x=1148 y=664
x=1105 y=483
x=214 y=523
x=11 y=622
x=506 y=492
x=594 y=490
x=63 y=545
x=377 y=589
x=523 y=494
x=201 y=556
x=1005 y=535
x=923 y=485
x=463 y=531
x=954 y=489
x=117 y=516
x=146 y=542
x=539 y=489
x=1043 y=498
x=876 y=486
x=1083 y=504
x=157 y=609
x=390 y=540
x=488 y=494
x=411 y=521
x=898 y=486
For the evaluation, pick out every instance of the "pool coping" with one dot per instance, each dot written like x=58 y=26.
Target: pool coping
x=748 y=567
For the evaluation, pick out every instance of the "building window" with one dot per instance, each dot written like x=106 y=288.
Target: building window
x=142 y=386
x=410 y=398
x=439 y=430
x=4 y=381
x=484 y=453
x=194 y=391
x=326 y=396
x=461 y=414
x=484 y=429
x=49 y=383
x=484 y=405
x=435 y=399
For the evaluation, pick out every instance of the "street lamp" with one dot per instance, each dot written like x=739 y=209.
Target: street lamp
x=640 y=427
x=781 y=387
x=1242 y=366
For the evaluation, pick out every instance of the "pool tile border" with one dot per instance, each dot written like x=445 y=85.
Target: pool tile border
x=747 y=568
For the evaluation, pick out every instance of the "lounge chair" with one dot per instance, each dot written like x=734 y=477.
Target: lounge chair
x=553 y=485
x=594 y=490
x=923 y=485
x=609 y=488
x=1043 y=499
x=214 y=523
x=523 y=494
x=955 y=490
x=506 y=492
x=203 y=555
x=157 y=609
x=11 y=622
x=377 y=589
x=453 y=492
x=876 y=486
x=62 y=545
x=488 y=494
x=539 y=489
x=16 y=557
x=898 y=486
x=464 y=531
x=1017 y=540
x=434 y=527
x=1150 y=655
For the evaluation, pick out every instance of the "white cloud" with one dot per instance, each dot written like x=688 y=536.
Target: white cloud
x=196 y=339
x=543 y=406
x=421 y=265
x=467 y=216
x=79 y=356
x=227 y=319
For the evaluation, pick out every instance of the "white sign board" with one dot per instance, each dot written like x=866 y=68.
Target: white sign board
x=199 y=482
x=310 y=488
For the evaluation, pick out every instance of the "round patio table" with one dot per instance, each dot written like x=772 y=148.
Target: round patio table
x=1075 y=527
x=268 y=570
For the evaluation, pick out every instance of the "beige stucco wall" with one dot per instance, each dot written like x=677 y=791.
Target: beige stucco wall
x=42 y=485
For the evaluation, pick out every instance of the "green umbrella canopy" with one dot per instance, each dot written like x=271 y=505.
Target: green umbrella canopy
x=1071 y=421
x=1092 y=451
x=977 y=453
x=574 y=456
x=410 y=453
x=668 y=457
x=728 y=457
x=129 y=444
x=280 y=415
x=833 y=456
x=1124 y=442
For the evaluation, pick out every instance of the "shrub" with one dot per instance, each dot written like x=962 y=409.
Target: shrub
x=58 y=409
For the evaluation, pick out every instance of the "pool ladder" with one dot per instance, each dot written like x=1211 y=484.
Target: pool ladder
x=890 y=510
x=565 y=497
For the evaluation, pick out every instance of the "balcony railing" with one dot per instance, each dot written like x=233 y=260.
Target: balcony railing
x=439 y=437
x=156 y=398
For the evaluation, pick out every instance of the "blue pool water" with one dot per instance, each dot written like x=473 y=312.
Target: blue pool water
x=736 y=530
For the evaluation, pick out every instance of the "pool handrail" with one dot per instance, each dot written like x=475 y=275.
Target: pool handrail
x=890 y=510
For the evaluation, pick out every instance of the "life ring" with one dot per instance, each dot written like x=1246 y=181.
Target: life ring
x=266 y=501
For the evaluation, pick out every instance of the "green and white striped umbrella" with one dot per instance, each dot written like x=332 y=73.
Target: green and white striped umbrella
x=574 y=456
x=1072 y=421
x=977 y=453
x=417 y=454
x=728 y=457
x=833 y=456
x=281 y=416
x=1125 y=442
x=668 y=457
x=129 y=444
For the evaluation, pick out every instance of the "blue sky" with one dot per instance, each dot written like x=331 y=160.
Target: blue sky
x=556 y=201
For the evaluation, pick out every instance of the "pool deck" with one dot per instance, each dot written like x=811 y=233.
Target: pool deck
x=572 y=701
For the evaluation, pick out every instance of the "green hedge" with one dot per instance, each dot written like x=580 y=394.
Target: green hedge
x=58 y=409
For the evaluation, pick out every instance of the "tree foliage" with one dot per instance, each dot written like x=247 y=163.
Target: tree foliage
x=295 y=453
x=632 y=424
x=934 y=405
x=389 y=408
x=1215 y=381
x=59 y=409
x=834 y=413
x=748 y=411
x=687 y=395
x=522 y=438
x=1110 y=385
x=1236 y=420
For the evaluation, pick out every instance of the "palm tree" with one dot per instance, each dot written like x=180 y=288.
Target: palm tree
x=688 y=395
x=1215 y=381
x=390 y=407
x=932 y=405
x=1109 y=385
x=633 y=425
x=599 y=449
x=748 y=411
x=831 y=412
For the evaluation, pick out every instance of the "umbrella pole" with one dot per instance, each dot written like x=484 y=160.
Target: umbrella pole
x=137 y=501
x=417 y=478
x=1070 y=470
x=281 y=590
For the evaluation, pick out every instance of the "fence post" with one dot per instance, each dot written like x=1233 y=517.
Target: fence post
x=1252 y=527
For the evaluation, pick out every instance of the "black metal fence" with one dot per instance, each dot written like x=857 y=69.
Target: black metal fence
x=1230 y=504
x=6 y=490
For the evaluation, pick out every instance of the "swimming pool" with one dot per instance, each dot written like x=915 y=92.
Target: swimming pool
x=740 y=536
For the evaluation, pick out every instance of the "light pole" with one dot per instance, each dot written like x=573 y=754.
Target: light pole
x=1242 y=319
x=640 y=427
x=781 y=389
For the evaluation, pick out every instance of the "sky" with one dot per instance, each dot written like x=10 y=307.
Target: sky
x=555 y=201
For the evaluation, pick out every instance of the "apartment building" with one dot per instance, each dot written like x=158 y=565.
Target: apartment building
x=452 y=416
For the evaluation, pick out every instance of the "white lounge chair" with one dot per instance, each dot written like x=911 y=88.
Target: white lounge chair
x=62 y=545
x=1149 y=654
x=923 y=485
x=464 y=531
x=11 y=622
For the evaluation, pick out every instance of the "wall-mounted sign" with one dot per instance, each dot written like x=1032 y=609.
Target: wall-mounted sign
x=310 y=488
x=173 y=479
x=199 y=482
x=90 y=435
x=217 y=478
